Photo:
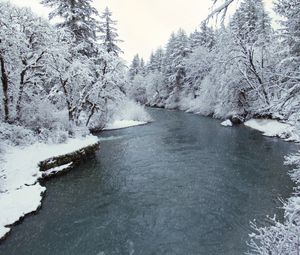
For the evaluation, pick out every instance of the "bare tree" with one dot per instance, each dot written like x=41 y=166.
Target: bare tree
x=221 y=9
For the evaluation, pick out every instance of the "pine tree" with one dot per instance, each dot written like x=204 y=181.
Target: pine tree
x=250 y=23
x=289 y=9
x=204 y=37
x=109 y=35
x=78 y=16
x=177 y=50
x=289 y=53
x=134 y=68
x=156 y=61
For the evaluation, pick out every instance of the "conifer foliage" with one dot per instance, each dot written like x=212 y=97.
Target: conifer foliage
x=77 y=16
x=109 y=35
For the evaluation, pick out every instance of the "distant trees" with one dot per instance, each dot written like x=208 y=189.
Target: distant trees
x=135 y=67
x=242 y=69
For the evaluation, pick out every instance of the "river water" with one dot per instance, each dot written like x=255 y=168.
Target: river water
x=180 y=185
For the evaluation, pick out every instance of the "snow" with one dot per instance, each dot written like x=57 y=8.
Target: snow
x=227 y=123
x=15 y=204
x=269 y=127
x=20 y=191
x=56 y=170
x=119 y=124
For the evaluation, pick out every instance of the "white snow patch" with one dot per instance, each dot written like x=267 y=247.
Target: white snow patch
x=270 y=127
x=20 y=192
x=227 y=123
x=56 y=170
x=15 y=204
x=119 y=124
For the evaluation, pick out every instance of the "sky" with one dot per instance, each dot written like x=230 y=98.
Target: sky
x=144 y=25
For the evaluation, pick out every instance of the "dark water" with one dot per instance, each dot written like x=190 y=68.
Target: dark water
x=181 y=185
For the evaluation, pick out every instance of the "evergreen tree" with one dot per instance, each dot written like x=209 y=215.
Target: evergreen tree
x=134 y=68
x=289 y=53
x=289 y=9
x=78 y=16
x=204 y=37
x=250 y=23
x=142 y=67
x=156 y=61
x=177 y=50
x=109 y=35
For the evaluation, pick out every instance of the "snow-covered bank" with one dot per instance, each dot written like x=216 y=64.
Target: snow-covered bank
x=281 y=237
x=274 y=128
x=20 y=191
x=119 y=124
x=129 y=114
x=268 y=127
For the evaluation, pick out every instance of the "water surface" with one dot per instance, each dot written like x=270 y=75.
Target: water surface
x=181 y=185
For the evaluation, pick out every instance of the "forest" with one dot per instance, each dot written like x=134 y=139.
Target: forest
x=68 y=80
x=61 y=80
x=242 y=69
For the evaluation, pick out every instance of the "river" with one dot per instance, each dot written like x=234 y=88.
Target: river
x=180 y=185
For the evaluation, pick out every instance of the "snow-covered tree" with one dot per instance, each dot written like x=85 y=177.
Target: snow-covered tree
x=220 y=7
x=178 y=49
x=251 y=30
x=24 y=48
x=109 y=36
x=135 y=67
x=156 y=61
x=79 y=17
x=203 y=37
x=288 y=72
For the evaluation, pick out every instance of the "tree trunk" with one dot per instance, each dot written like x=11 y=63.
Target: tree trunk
x=20 y=94
x=4 y=79
x=91 y=114
x=69 y=104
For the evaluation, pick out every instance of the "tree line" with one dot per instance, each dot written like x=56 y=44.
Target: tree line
x=244 y=68
x=60 y=76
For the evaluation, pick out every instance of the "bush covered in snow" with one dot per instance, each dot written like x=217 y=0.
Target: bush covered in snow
x=281 y=237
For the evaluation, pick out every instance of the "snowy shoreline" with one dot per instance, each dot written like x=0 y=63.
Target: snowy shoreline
x=274 y=128
x=20 y=191
x=121 y=124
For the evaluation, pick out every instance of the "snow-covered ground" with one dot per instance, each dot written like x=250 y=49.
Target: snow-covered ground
x=274 y=128
x=118 y=124
x=128 y=114
x=20 y=191
x=268 y=127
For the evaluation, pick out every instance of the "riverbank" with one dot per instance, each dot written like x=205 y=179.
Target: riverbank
x=20 y=190
x=23 y=166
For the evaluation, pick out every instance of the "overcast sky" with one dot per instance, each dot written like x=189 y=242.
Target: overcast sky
x=145 y=25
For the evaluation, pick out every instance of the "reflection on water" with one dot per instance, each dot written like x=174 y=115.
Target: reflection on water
x=181 y=185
